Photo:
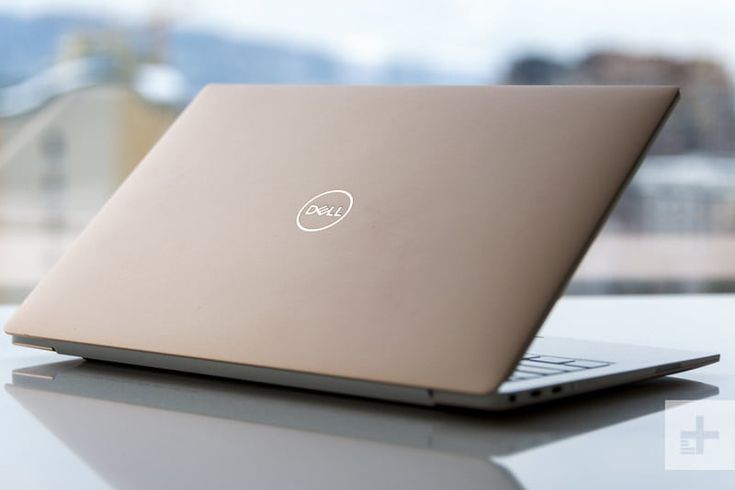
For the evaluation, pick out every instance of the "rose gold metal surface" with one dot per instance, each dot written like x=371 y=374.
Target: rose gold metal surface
x=472 y=206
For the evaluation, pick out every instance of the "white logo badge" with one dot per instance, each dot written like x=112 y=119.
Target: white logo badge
x=324 y=211
x=700 y=434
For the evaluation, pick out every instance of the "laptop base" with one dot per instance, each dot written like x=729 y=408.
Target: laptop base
x=627 y=364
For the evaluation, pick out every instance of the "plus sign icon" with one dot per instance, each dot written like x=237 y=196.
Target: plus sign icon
x=692 y=441
x=700 y=435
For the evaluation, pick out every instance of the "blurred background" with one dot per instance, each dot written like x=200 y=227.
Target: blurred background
x=86 y=87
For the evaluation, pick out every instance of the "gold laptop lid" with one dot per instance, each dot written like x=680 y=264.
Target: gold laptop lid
x=407 y=235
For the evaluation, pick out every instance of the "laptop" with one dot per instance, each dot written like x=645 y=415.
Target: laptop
x=403 y=243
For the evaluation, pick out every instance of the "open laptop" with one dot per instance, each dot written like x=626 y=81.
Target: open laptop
x=403 y=243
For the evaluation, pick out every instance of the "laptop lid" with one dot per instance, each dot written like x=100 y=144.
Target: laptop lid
x=407 y=235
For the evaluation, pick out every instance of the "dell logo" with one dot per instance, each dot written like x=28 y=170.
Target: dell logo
x=324 y=211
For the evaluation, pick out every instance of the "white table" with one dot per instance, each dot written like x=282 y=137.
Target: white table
x=95 y=425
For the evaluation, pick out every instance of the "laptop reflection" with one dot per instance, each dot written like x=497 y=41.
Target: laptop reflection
x=141 y=428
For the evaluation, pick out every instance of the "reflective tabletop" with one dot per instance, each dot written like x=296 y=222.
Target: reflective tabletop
x=71 y=423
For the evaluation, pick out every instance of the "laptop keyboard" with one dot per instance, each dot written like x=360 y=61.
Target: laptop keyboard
x=537 y=365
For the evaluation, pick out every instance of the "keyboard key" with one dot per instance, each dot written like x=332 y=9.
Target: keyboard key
x=553 y=359
x=587 y=364
x=537 y=370
x=558 y=367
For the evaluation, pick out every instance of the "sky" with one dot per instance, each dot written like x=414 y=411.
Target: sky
x=465 y=36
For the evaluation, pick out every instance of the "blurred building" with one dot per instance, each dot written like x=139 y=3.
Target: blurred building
x=684 y=194
x=68 y=137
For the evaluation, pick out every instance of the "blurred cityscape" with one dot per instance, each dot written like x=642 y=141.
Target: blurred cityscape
x=674 y=228
x=82 y=100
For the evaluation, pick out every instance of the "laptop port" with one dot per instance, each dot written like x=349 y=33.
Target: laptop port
x=556 y=389
x=535 y=393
